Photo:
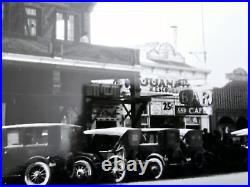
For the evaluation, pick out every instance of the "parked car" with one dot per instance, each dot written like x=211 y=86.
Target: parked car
x=243 y=137
x=230 y=151
x=35 y=151
x=161 y=148
x=192 y=147
x=120 y=144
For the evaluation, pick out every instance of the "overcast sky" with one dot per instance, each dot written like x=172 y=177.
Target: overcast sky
x=226 y=31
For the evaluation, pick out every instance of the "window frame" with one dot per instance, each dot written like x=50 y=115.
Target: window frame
x=35 y=131
x=20 y=138
x=76 y=25
x=7 y=25
x=36 y=17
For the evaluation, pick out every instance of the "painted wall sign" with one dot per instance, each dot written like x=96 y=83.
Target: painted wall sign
x=103 y=90
x=185 y=110
x=162 y=85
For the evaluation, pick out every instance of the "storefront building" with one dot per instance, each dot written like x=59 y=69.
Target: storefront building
x=163 y=75
x=47 y=65
x=230 y=103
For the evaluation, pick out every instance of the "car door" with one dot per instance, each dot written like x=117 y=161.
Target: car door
x=35 y=141
x=149 y=144
x=13 y=152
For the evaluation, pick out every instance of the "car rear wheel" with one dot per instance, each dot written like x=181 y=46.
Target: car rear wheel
x=37 y=173
x=82 y=171
x=155 y=168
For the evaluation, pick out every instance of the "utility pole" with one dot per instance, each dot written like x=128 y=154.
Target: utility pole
x=203 y=34
x=174 y=27
x=203 y=52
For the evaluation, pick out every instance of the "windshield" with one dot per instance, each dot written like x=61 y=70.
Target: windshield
x=104 y=142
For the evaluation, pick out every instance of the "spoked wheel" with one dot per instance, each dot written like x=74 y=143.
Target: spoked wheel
x=155 y=168
x=37 y=173
x=118 y=170
x=82 y=171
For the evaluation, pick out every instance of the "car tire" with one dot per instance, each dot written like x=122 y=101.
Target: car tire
x=82 y=171
x=118 y=173
x=155 y=168
x=37 y=173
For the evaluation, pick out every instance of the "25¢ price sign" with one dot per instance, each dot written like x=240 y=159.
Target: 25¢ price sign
x=162 y=108
x=167 y=108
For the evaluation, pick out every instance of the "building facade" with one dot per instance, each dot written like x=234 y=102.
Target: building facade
x=163 y=75
x=47 y=64
x=230 y=103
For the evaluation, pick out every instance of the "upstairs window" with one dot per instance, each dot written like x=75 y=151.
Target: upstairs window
x=21 y=20
x=71 y=28
x=65 y=26
x=60 y=26
x=30 y=27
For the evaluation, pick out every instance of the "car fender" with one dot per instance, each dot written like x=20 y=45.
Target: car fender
x=157 y=155
x=92 y=158
x=38 y=158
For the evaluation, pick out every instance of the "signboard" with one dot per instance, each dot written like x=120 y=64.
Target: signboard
x=187 y=110
x=162 y=85
x=103 y=90
x=162 y=108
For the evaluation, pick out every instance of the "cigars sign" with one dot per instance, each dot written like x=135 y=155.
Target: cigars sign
x=163 y=85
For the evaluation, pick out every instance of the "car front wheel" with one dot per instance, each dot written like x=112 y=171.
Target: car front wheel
x=118 y=170
x=37 y=173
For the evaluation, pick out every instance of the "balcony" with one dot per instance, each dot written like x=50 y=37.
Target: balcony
x=70 y=50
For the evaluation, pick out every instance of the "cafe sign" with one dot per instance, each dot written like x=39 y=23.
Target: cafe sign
x=187 y=110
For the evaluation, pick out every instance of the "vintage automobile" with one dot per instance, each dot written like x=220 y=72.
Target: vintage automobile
x=161 y=148
x=37 y=151
x=231 y=151
x=120 y=144
x=192 y=147
x=243 y=137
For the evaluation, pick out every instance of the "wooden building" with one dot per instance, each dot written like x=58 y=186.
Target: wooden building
x=48 y=59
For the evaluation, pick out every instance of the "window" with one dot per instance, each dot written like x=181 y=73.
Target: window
x=71 y=21
x=30 y=26
x=36 y=136
x=60 y=25
x=65 y=26
x=104 y=142
x=13 y=138
x=150 y=138
x=21 y=20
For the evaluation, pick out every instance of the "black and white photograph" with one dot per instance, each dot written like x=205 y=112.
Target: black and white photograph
x=130 y=93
